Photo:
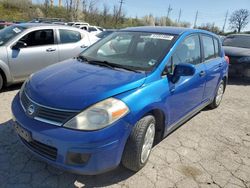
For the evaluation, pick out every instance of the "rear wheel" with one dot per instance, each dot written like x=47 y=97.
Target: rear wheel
x=139 y=144
x=219 y=95
x=1 y=82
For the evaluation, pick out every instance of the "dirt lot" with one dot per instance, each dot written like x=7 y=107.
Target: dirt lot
x=210 y=150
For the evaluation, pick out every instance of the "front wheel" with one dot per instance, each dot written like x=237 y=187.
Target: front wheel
x=139 y=144
x=219 y=95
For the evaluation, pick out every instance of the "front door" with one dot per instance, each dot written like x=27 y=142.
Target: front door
x=40 y=51
x=187 y=93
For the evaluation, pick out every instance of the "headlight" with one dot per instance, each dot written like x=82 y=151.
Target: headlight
x=99 y=115
x=23 y=86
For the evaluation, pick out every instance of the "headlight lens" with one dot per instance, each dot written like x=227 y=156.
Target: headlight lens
x=99 y=115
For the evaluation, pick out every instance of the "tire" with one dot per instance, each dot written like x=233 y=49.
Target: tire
x=1 y=82
x=219 y=95
x=138 y=146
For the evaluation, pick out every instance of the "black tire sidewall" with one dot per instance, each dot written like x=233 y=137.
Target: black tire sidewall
x=1 y=82
x=142 y=141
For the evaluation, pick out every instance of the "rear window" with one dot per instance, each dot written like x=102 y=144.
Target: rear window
x=209 y=50
x=69 y=36
x=241 y=41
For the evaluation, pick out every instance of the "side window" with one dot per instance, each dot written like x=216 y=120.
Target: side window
x=216 y=47
x=69 y=36
x=189 y=51
x=209 y=49
x=39 y=38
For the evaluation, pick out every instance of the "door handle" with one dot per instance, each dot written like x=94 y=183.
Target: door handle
x=51 y=50
x=202 y=73
x=220 y=65
x=84 y=46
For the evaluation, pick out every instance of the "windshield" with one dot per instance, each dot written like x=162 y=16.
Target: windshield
x=10 y=32
x=241 y=41
x=135 y=50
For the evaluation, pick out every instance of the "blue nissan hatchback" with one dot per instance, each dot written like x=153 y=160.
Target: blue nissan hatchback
x=121 y=96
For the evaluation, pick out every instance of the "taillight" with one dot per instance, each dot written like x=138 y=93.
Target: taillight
x=227 y=59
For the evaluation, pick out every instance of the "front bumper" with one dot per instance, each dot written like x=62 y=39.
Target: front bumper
x=104 y=147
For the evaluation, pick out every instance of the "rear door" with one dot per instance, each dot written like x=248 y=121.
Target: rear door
x=40 y=52
x=187 y=94
x=213 y=63
x=71 y=43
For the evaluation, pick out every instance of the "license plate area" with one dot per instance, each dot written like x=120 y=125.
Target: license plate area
x=26 y=135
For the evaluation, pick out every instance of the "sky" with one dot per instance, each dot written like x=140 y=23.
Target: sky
x=212 y=11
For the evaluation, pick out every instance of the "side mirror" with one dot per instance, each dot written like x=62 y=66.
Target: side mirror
x=184 y=69
x=19 y=45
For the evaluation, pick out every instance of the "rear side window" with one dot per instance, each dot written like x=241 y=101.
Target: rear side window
x=209 y=49
x=92 y=29
x=216 y=48
x=69 y=36
x=39 y=38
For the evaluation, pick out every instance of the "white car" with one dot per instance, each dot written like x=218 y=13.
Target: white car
x=77 y=24
x=91 y=29
x=27 y=48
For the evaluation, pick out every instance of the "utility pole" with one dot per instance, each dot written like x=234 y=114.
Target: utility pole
x=60 y=3
x=196 y=18
x=51 y=3
x=225 y=22
x=169 y=10
x=179 y=17
x=120 y=8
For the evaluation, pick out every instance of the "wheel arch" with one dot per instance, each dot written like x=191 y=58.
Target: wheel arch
x=5 y=72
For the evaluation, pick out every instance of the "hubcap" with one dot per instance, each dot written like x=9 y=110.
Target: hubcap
x=148 y=142
x=219 y=94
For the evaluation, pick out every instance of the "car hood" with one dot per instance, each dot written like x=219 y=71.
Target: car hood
x=237 y=52
x=76 y=85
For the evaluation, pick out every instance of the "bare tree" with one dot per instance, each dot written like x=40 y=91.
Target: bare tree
x=105 y=13
x=239 y=19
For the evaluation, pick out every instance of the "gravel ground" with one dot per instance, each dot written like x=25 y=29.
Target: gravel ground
x=210 y=150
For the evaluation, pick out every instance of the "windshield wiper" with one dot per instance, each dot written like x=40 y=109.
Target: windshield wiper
x=106 y=64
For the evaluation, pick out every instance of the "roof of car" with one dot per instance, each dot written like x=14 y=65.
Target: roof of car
x=160 y=29
x=31 y=25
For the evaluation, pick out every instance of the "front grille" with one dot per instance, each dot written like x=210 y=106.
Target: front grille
x=42 y=149
x=46 y=114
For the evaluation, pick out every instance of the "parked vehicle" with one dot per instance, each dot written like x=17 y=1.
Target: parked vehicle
x=27 y=48
x=237 y=48
x=86 y=115
x=91 y=29
x=77 y=24
x=105 y=33
x=5 y=24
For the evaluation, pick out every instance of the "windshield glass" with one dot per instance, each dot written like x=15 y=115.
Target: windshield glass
x=135 y=50
x=10 y=32
x=241 y=41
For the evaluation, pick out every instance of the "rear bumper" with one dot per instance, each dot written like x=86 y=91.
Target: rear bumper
x=104 y=147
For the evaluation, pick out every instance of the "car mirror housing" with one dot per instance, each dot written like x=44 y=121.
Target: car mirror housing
x=184 y=69
x=19 y=45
